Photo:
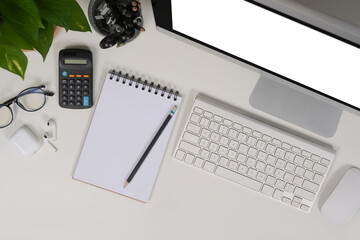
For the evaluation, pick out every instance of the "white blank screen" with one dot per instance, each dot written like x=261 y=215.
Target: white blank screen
x=273 y=42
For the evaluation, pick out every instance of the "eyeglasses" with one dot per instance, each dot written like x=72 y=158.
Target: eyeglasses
x=31 y=100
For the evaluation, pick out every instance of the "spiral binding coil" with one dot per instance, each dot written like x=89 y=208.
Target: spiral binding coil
x=144 y=84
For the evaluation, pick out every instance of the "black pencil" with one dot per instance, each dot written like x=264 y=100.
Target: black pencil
x=148 y=149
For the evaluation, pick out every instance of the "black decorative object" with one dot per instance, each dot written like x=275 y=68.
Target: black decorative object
x=119 y=21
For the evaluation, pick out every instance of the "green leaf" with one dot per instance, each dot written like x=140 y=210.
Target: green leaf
x=55 y=12
x=78 y=18
x=13 y=60
x=24 y=12
x=44 y=42
x=9 y=36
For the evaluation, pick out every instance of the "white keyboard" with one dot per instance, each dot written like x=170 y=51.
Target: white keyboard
x=251 y=153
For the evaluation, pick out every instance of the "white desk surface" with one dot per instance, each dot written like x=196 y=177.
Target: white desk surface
x=40 y=200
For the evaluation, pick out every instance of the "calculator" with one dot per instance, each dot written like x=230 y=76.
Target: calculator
x=75 y=78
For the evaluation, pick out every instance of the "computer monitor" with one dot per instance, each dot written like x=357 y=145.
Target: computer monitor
x=308 y=75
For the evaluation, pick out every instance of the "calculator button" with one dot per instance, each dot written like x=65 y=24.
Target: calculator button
x=71 y=103
x=72 y=92
x=71 y=75
x=79 y=98
x=78 y=103
x=86 y=81
x=64 y=103
x=64 y=86
x=86 y=76
x=86 y=87
x=64 y=81
x=71 y=81
x=64 y=92
x=71 y=98
x=78 y=75
x=64 y=97
x=64 y=73
x=78 y=92
x=72 y=86
x=86 y=93
x=78 y=86
x=86 y=101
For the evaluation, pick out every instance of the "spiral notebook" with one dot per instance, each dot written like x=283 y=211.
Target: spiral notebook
x=127 y=116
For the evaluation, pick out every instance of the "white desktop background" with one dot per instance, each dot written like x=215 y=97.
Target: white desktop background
x=273 y=42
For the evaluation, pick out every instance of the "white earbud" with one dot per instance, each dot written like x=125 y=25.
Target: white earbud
x=46 y=138
x=51 y=123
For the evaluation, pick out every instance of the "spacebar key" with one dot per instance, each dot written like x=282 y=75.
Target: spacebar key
x=238 y=178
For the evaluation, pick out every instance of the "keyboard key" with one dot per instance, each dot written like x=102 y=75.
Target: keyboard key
x=191 y=137
x=278 y=194
x=308 y=163
x=238 y=178
x=242 y=137
x=179 y=154
x=233 y=144
x=269 y=169
x=209 y=167
x=261 y=176
x=198 y=110
x=319 y=168
x=299 y=170
x=232 y=133
x=270 y=148
x=205 y=133
x=266 y=138
x=325 y=161
x=289 y=156
x=289 y=188
x=286 y=200
x=261 y=144
x=213 y=146
x=222 y=150
x=218 y=118
x=198 y=162
x=257 y=134
x=208 y=114
x=224 y=140
x=299 y=160
x=279 y=184
x=223 y=129
x=193 y=128
x=252 y=173
x=251 y=162
x=237 y=126
x=251 y=141
x=270 y=180
x=242 y=169
x=304 y=207
x=310 y=186
x=204 y=143
x=304 y=193
x=233 y=165
x=214 y=126
x=243 y=148
x=214 y=157
x=205 y=154
x=227 y=122
x=247 y=130
x=277 y=142
x=241 y=157
x=267 y=190
x=308 y=174
x=189 y=147
x=214 y=136
x=271 y=159
x=194 y=118
x=189 y=158
x=318 y=178
x=231 y=154
x=204 y=122
x=223 y=161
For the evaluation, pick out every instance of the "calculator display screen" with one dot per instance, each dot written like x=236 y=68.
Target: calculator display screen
x=75 y=61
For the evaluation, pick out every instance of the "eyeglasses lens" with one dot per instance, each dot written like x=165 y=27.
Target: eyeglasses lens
x=5 y=116
x=32 y=99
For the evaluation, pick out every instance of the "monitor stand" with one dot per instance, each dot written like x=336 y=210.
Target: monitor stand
x=273 y=96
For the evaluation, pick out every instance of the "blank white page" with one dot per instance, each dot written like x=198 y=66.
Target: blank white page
x=125 y=121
